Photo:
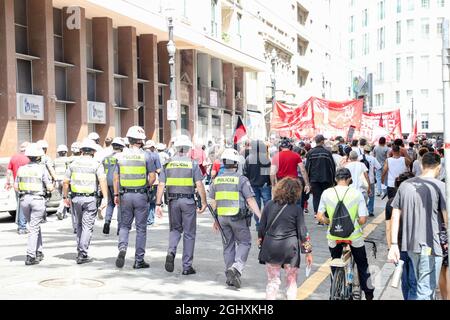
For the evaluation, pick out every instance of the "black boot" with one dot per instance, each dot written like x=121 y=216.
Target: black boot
x=141 y=265
x=234 y=276
x=31 y=261
x=83 y=259
x=170 y=262
x=189 y=271
x=106 y=228
x=120 y=261
x=39 y=256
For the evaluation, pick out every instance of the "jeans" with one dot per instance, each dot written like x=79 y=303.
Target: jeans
x=20 y=219
x=371 y=203
x=317 y=188
x=151 y=213
x=262 y=196
x=427 y=269
x=409 y=284
x=378 y=177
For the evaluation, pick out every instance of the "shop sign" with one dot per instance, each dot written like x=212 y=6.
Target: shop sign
x=96 y=112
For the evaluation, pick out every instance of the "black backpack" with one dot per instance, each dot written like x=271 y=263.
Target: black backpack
x=342 y=225
x=365 y=161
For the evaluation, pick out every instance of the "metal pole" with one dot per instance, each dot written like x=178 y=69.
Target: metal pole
x=173 y=123
x=446 y=92
x=412 y=116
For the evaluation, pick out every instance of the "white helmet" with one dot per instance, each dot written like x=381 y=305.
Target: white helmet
x=182 y=141
x=150 y=144
x=136 y=132
x=88 y=144
x=43 y=144
x=161 y=147
x=75 y=147
x=34 y=150
x=93 y=136
x=62 y=148
x=231 y=155
x=118 y=141
x=125 y=140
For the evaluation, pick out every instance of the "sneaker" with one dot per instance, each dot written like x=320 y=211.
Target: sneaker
x=170 y=262
x=189 y=271
x=306 y=211
x=234 y=276
x=120 y=261
x=31 y=261
x=83 y=259
x=106 y=228
x=371 y=215
x=141 y=265
x=22 y=231
x=60 y=215
x=39 y=256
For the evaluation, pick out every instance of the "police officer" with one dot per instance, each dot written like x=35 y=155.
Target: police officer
x=46 y=160
x=134 y=173
x=32 y=183
x=85 y=175
x=181 y=176
x=61 y=164
x=109 y=164
x=150 y=148
x=230 y=193
x=76 y=152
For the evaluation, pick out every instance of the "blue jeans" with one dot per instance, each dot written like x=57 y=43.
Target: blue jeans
x=20 y=219
x=409 y=283
x=371 y=203
x=151 y=213
x=378 y=176
x=262 y=196
x=427 y=269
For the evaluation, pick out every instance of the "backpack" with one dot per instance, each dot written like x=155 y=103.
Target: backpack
x=342 y=225
x=365 y=161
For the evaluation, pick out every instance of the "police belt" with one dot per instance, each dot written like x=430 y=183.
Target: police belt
x=30 y=193
x=141 y=190
x=176 y=196
x=74 y=195
x=243 y=213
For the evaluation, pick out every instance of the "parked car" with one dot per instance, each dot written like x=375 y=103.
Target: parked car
x=8 y=200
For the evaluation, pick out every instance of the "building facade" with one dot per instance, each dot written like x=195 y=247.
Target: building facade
x=400 y=43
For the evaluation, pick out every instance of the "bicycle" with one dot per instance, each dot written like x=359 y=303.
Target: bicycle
x=345 y=280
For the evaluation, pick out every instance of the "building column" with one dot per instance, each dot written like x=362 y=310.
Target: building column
x=128 y=67
x=8 y=114
x=148 y=47
x=41 y=44
x=164 y=77
x=75 y=53
x=103 y=53
x=188 y=64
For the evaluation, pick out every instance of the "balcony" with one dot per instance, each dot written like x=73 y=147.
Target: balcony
x=212 y=97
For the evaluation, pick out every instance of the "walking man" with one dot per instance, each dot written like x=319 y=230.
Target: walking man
x=32 y=184
x=85 y=175
x=181 y=176
x=380 y=152
x=230 y=193
x=134 y=173
x=61 y=164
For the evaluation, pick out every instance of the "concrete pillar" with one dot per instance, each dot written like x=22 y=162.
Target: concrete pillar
x=103 y=53
x=41 y=44
x=148 y=47
x=75 y=53
x=8 y=123
x=228 y=79
x=164 y=77
x=128 y=67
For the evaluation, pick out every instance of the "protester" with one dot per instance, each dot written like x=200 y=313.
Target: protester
x=321 y=170
x=282 y=236
x=393 y=167
x=417 y=165
x=403 y=151
x=421 y=204
x=336 y=156
x=360 y=176
x=374 y=166
x=380 y=152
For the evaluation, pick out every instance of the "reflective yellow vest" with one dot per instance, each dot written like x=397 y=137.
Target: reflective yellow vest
x=84 y=176
x=351 y=201
x=179 y=176
x=227 y=195
x=133 y=170
x=30 y=178
x=61 y=164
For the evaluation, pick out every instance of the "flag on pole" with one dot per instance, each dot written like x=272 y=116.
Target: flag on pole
x=412 y=137
x=380 y=124
x=240 y=131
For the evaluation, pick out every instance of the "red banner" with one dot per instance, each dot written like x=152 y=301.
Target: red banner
x=377 y=125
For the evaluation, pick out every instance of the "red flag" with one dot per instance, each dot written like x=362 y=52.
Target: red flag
x=380 y=124
x=412 y=137
x=240 y=131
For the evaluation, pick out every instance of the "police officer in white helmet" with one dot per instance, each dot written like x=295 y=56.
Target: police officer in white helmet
x=230 y=193
x=134 y=173
x=85 y=176
x=32 y=184
x=181 y=176
x=46 y=160
x=61 y=164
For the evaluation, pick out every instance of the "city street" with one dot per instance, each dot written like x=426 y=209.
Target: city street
x=59 y=277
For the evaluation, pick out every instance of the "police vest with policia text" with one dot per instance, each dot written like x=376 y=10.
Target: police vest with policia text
x=180 y=176
x=227 y=195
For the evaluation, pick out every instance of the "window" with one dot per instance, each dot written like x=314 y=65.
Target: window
x=58 y=35
x=89 y=45
x=302 y=15
x=351 y=49
x=238 y=30
x=410 y=29
x=399 y=6
x=425 y=62
x=425 y=28
x=440 y=27
x=380 y=71
x=365 y=18
x=91 y=86
x=365 y=43
x=399 y=32
x=214 y=18
x=426 y=4
x=141 y=99
x=21 y=26
x=410 y=5
x=118 y=92
x=409 y=95
x=441 y=3
x=24 y=81
x=397 y=97
x=381 y=10
x=410 y=67
x=351 y=24
x=379 y=100
x=381 y=34
x=424 y=93
x=425 y=121
x=60 y=83
x=398 y=69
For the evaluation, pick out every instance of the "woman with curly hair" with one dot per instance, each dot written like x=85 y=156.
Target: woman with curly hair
x=282 y=236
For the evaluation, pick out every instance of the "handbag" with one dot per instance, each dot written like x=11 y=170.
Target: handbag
x=268 y=229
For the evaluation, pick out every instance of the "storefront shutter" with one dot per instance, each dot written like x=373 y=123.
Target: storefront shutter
x=61 y=131
x=23 y=131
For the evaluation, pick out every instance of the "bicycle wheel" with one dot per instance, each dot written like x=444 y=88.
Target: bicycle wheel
x=356 y=286
x=338 y=285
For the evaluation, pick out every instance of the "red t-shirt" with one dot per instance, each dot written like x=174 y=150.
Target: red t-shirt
x=287 y=163
x=16 y=162
x=216 y=166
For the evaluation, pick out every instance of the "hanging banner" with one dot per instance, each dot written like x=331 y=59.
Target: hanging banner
x=377 y=125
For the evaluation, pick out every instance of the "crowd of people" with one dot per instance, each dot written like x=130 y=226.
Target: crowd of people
x=268 y=182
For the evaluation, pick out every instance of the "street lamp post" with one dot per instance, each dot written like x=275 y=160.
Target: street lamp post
x=171 y=49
